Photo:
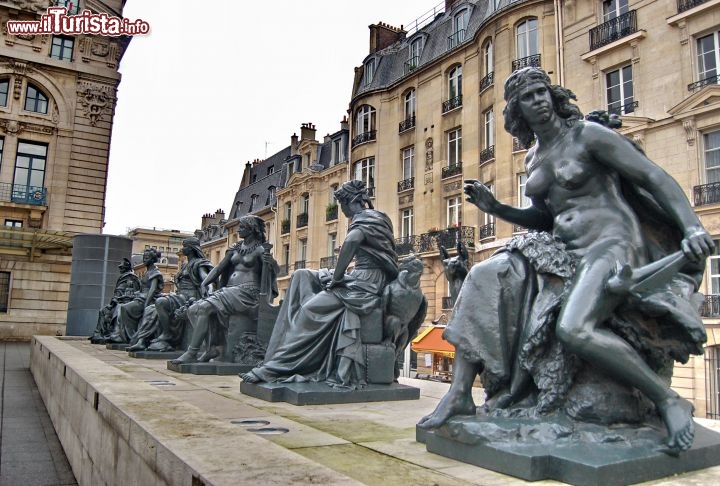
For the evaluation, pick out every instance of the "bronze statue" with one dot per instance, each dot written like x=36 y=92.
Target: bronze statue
x=317 y=334
x=125 y=287
x=131 y=313
x=239 y=277
x=164 y=329
x=581 y=283
x=455 y=269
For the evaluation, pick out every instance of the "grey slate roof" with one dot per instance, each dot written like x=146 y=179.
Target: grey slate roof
x=261 y=186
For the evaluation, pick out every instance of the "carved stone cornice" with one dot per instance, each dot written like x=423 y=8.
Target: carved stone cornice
x=96 y=99
x=14 y=127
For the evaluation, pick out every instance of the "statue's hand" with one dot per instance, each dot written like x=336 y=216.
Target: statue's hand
x=334 y=283
x=479 y=194
x=697 y=244
x=204 y=290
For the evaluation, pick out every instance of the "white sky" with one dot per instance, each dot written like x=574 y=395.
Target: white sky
x=214 y=82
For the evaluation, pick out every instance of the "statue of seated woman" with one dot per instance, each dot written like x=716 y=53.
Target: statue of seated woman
x=165 y=328
x=599 y=298
x=125 y=287
x=131 y=313
x=241 y=275
x=317 y=334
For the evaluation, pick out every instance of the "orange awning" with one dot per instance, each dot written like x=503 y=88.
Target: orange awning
x=430 y=341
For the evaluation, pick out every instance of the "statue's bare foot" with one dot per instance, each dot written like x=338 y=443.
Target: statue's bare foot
x=250 y=377
x=189 y=356
x=451 y=404
x=211 y=353
x=677 y=414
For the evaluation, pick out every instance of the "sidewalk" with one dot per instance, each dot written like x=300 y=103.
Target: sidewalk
x=30 y=453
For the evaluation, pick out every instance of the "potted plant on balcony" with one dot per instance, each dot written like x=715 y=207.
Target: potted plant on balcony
x=331 y=211
x=285 y=226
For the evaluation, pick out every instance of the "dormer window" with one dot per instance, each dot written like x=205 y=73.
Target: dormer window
x=369 y=72
x=253 y=203
x=414 y=54
x=460 y=21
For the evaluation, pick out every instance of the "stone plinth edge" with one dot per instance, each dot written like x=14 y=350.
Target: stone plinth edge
x=323 y=394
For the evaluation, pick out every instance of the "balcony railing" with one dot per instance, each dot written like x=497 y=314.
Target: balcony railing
x=407 y=124
x=706 y=194
x=456 y=39
x=487 y=81
x=285 y=226
x=412 y=64
x=283 y=270
x=613 y=30
x=688 y=4
x=452 y=103
x=703 y=82
x=406 y=185
x=331 y=213
x=711 y=306
x=625 y=109
x=529 y=61
x=486 y=231
x=17 y=193
x=364 y=137
x=451 y=170
x=487 y=154
x=328 y=262
x=299 y=264
x=429 y=242
x=302 y=220
x=447 y=303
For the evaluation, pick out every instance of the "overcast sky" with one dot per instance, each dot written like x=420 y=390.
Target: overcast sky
x=216 y=84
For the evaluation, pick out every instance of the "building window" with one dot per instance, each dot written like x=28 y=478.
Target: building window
x=72 y=6
x=614 y=8
x=30 y=166
x=365 y=120
x=62 y=48
x=488 y=56
x=364 y=170
x=270 y=169
x=286 y=253
x=712 y=382
x=331 y=244
x=454 y=211
x=459 y=28
x=2 y=145
x=414 y=53
x=711 y=150
x=455 y=82
x=454 y=138
x=13 y=223
x=406 y=222
x=4 y=87
x=489 y=129
x=408 y=162
x=305 y=203
x=253 y=203
x=337 y=151
x=708 y=58
x=523 y=200
x=35 y=100
x=488 y=218
x=302 y=253
x=369 y=72
x=409 y=104
x=4 y=292
x=620 y=91
x=526 y=38
x=288 y=211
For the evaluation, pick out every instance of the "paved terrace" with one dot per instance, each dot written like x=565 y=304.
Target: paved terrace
x=142 y=424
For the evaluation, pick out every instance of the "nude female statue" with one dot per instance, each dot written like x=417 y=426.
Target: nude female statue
x=576 y=175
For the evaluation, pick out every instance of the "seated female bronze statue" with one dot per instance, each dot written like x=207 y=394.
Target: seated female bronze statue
x=545 y=298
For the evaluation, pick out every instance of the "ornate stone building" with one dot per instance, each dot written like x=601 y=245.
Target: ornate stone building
x=57 y=100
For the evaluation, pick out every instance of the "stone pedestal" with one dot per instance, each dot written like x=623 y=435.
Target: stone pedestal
x=324 y=394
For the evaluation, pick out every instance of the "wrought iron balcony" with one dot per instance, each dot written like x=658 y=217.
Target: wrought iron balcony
x=364 y=138
x=451 y=170
x=625 y=109
x=299 y=264
x=613 y=29
x=452 y=103
x=429 y=242
x=447 y=303
x=17 y=193
x=406 y=185
x=456 y=39
x=711 y=306
x=328 y=262
x=487 y=154
x=412 y=64
x=283 y=270
x=285 y=226
x=697 y=86
x=688 y=4
x=529 y=61
x=706 y=194
x=302 y=220
x=486 y=231
x=331 y=213
x=487 y=81
x=407 y=123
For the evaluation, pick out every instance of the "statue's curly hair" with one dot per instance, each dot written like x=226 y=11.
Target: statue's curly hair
x=515 y=124
x=353 y=191
x=256 y=224
x=155 y=254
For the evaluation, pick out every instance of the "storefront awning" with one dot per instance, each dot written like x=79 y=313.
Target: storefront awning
x=430 y=341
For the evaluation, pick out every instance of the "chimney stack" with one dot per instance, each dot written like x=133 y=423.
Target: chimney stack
x=307 y=131
x=383 y=35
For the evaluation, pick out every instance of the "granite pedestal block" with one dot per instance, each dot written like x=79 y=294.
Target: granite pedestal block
x=211 y=368
x=315 y=393
x=145 y=354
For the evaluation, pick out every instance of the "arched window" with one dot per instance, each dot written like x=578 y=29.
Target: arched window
x=460 y=21
x=4 y=89
x=455 y=82
x=409 y=104
x=35 y=100
x=526 y=37
x=415 y=50
x=369 y=74
x=365 y=119
x=488 y=57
